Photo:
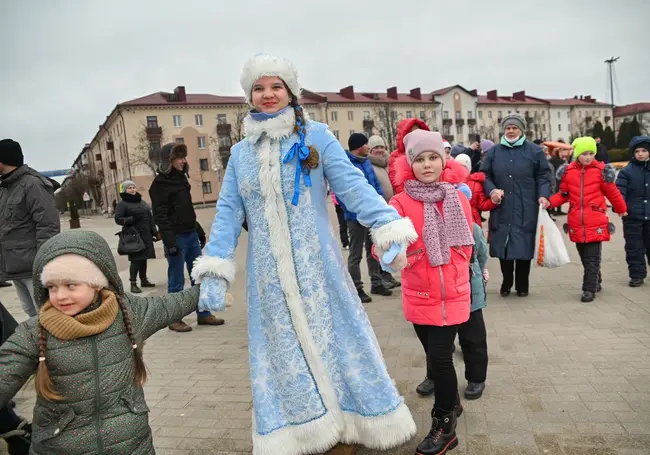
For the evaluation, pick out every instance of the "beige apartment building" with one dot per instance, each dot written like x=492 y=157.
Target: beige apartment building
x=639 y=110
x=210 y=124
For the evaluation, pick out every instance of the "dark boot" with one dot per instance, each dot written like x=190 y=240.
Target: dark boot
x=425 y=388
x=505 y=292
x=587 y=297
x=635 y=283
x=474 y=390
x=522 y=294
x=134 y=288
x=390 y=281
x=381 y=290
x=365 y=298
x=442 y=437
x=20 y=442
x=145 y=283
x=209 y=320
x=180 y=326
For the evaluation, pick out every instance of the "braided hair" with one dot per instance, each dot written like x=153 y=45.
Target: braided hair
x=313 y=159
x=140 y=374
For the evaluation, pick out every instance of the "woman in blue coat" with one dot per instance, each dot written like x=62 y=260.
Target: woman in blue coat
x=318 y=376
x=517 y=177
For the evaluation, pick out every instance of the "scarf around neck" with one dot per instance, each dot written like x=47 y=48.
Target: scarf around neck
x=261 y=116
x=86 y=324
x=379 y=161
x=517 y=143
x=440 y=233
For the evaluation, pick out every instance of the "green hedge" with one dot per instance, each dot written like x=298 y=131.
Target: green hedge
x=616 y=155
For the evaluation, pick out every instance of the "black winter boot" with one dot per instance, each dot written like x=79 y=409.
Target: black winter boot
x=145 y=283
x=365 y=298
x=635 y=283
x=425 y=388
x=587 y=297
x=442 y=437
x=134 y=288
x=381 y=290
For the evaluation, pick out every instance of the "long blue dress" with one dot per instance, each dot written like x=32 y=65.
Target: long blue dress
x=317 y=372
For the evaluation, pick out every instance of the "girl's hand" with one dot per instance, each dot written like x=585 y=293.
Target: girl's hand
x=622 y=214
x=394 y=259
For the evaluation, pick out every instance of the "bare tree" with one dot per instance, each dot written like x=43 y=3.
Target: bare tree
x=644 y=123
x=429 y=118
x=489 y=132
x=141 y=155
x=237 y=130
x=386 y=118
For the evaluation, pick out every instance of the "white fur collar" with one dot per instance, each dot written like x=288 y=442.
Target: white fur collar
x=279 y=127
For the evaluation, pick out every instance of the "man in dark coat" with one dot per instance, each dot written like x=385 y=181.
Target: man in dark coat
x=517 y=177
x=602 y=154
x=173 y=212
x=28 y=218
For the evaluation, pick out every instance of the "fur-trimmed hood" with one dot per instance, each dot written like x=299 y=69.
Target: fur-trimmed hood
x=404 y=128
x=478 y=177
x=453 y=172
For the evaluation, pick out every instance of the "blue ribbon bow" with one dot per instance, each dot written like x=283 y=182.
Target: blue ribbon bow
x=300 y=150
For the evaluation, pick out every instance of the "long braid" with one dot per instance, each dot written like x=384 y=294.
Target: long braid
x=43 y=383
x=140 y=376
x=313 y=159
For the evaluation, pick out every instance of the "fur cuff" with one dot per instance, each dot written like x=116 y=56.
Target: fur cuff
x=609 y=173
x=214 y=266
x=399 y=231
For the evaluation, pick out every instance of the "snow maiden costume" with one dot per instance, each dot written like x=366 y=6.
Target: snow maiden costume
x=318 y=375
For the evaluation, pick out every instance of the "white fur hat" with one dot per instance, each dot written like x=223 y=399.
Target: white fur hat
x=73 y=267
x=260 y=65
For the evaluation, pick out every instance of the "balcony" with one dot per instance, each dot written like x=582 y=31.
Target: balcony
x=588 y=119
x=112 y=165
x=447 y=122
x=471 y=121
x=608 y=119
x=368 y=125
x=98 y=156
x=224 y=148
x=223 y=129
x=460 y=121
x=153 y=131
x=110 y=145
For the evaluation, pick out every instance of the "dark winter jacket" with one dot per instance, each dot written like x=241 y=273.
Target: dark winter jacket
x=28 y=217
x=134 y=212
x=171 y=202
x=7 y=324
x=585 y=188
x=602 y=154
x=103 y=411
x=365 y=166
x=524 y=175
x=633 y=182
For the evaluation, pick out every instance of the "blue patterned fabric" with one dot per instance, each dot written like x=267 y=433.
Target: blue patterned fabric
x=289 y=390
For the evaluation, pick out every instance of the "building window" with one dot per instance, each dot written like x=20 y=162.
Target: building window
x=180 y=140
x=312 y=115
x=350 y=115
x=470 y=114
x=489 y=114
x=445 y=130
x=480 y=115
x=559 y=127
x=599 y=113
x=335 y=116
x=177 y=121
x=509 y=112
x=224 y=141
x=198 y=119
x=152 y=121
x=366 y=115
x=203 y=163
x=423 y=115
x=568 y=114
x=207 y=187
x=445 y=115
x=558 y=115
x=393 y=115
x=544 y=127
x=543 y=114
x=351 y=132
x=222 y=119
x=580 y=114
x=433 y=114
x=500 y=115
x=409 y=114
x=336 y=133
x=201 y=142
x=154 y=145
x=458 y=115
x=459 y=130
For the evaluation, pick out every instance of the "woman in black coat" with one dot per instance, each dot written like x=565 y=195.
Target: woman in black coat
x=133 y=211
x=517 y=176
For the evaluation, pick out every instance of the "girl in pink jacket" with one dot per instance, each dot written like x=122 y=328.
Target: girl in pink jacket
x=436 y=291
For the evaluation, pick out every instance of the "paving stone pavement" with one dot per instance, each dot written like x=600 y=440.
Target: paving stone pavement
x=564 y=377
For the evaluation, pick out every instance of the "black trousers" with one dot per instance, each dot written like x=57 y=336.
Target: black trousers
x=590 y=256
x=343 y=226
x=138 y=267
x=515 y=272
x=637 y=247
x=8 y=419
x=438 y=343
x=472 y=337
x=360 y=238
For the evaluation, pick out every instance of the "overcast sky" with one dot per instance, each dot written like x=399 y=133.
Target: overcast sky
x=64 y=64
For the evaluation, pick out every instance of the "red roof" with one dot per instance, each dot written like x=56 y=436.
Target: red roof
x=575 y=102
x=333 y=97
x=442 y=91
x=162 y=99
x=631 y=109
x=508 y=100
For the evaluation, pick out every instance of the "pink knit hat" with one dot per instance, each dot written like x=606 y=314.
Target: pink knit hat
x=420 y=141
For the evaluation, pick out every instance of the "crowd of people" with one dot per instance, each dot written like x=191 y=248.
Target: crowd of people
x=319 y=381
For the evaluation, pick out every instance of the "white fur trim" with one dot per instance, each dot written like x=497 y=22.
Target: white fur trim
x=72 y=267
x=215 y=266
x=399 y=231
x=380 y=432
x=261 y=65
x=279 y=127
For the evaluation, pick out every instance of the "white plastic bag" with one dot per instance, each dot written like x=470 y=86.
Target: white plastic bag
x=550 y=250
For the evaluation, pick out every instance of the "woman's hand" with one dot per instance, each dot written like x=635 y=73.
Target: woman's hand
x=496 y=196
x=545 y=203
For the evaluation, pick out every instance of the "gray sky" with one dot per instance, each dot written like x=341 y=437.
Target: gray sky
x=64 y=64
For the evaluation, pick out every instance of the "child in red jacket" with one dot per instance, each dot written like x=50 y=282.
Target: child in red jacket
x=585 y=183
x=436 y=292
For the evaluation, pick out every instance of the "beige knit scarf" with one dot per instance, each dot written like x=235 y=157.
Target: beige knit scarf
x=83 y=324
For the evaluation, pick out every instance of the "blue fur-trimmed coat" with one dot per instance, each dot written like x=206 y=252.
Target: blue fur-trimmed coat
x=317 y=372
